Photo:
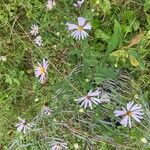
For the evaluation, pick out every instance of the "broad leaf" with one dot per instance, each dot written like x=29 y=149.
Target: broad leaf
x=116 y=38
x=99 y=34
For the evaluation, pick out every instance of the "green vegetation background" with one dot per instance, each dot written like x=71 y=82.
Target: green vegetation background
x=118 y=49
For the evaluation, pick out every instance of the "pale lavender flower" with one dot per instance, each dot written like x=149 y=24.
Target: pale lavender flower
x=38 y=41
x=78 y=31
x=50 y=4
x=89 y=99
x=23 y=126
x=78 y=4
x=132 y=111
x=46 y=111
x=55 y=145
x=41 y=70
x=34 y=30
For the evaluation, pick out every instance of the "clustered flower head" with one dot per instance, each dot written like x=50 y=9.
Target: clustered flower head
x=46 y=111
x=132 y=111
x=55 y=145
x=41 y=70
x=104 y=97
x=78 y=4
x=23 y=126
x=78 y=31
x=50 y=4
x=90 y=99
x=38 y=41
x=34 y=30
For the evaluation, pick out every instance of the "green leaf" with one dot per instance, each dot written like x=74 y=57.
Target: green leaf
x=116 y=38
x=99 y=34
x=104 y=73
x=147 y=5
x=136 y=25
x=105 y=5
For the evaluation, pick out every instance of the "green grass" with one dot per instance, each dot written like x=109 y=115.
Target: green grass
x=113 y=52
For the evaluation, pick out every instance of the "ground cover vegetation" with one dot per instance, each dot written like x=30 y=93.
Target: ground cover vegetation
x=75 y=74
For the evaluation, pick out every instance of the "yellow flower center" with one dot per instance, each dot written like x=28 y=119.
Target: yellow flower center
x=88 y=97
x=58 y=145
x=25 y=123
x=80 y=28
x=42 y=70
x=129 y=113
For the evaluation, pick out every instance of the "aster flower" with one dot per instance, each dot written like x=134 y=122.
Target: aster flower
x=78 y=4
x=50 y=4
x=132 y=111
x=23 y=126
x=34 y=30
x=46 y=111
x=78 y=31
x=41 y=70
x=89 y=99
x=55 y=145
x=38 y=41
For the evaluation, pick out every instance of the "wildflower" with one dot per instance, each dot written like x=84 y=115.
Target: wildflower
x=55 y=145
x=104 y=97
x=34 y=30
x=38 y=41
x=46 y=111
x=23 y=126
x=78 y=4
x=78 y=31
x=41 y=70
x=3 y=58
x=50 y=4
x=90 y=98
x=132 y=111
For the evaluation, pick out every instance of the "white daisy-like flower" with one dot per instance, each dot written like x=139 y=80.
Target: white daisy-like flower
x=50 y=4
x=34 y=30
x=132 y=111
x=78 y=4
x=41 y=70
x=55 y=145
x=89 y=99
x=38 y=41
x=78 y=31
x=23 y=126
x=46 y=111
x=3 y=58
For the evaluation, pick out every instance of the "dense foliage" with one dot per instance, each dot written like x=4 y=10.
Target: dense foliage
x=114 y=57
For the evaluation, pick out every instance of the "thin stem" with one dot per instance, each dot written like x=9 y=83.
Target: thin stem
x=50 y=62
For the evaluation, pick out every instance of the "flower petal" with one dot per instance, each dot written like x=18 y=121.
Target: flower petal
x=124 y=121
x=72 y=26
x=137 y=118
x=119 y=112
x=96 y=93
x=129 y=105
x=81 y=21
x=87 y=26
